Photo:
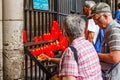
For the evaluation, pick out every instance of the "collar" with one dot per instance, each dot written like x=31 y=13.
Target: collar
x=75 y=41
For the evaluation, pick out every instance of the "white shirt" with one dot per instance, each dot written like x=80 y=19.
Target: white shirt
x=94 y=28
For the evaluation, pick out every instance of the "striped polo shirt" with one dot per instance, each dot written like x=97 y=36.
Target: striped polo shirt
x=111 y=37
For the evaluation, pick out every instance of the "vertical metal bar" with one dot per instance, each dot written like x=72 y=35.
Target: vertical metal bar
x=42 y=23
x=26 y=67
x=59 y=11
x=56 y=9
x=76 y=6
x=52 y=6
x=62 y=11
x=31 y=69
x=116 y=3
x=49 y=21
x=64 y=2
x=49 y=13
x=39 y=23
x=61 y=6
x=30 y=1
x=35 y=23
x=48 y=28
x=35 y=71
x=39 y=73
x=69 y=6
x=44 y=27
x=44 y=76
x=30 y=23
x=45 y=23
x=32 y=4
x=58 y=2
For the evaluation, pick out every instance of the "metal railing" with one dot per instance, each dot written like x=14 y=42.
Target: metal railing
x=34 y=69
x=38 y=70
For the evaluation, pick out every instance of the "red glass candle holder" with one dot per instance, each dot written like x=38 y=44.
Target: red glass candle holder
x=35 y=39
x=24 y=36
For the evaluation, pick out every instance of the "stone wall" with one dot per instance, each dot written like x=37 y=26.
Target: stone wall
x=1 y=46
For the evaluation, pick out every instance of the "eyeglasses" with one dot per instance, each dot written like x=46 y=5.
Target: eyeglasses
x=98 y=18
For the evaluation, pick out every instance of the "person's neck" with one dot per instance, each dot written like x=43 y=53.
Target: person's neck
x=70 y=39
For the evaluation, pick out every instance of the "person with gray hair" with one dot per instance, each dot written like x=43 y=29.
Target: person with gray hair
x=87 y=66
x=110 y=55
x=92 y=31
x=87 y=7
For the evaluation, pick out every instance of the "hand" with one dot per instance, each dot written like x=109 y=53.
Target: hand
x=48 y=58
x=42 y=57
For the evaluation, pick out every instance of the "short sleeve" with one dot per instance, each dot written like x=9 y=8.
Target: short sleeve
x=114 y=39
x=68 y=65
x=91 y=25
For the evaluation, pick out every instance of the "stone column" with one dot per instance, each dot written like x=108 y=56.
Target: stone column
x=13 y=56
x=1 y=44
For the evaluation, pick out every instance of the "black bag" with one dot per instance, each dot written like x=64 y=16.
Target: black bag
x=113 y=73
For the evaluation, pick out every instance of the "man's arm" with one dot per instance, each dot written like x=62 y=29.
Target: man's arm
x=90 y=36
x=113 y=57
x=55 y=60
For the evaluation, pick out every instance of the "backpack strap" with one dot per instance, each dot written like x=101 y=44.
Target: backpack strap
x=75 y=53
x=113 y=67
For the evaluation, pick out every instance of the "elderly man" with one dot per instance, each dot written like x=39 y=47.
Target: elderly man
x=87 y=67
x=110 y=55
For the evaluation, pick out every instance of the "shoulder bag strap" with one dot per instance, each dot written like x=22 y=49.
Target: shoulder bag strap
x=75 y=53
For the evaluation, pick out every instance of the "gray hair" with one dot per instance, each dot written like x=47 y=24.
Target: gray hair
x=74 y=25
x=90 y=3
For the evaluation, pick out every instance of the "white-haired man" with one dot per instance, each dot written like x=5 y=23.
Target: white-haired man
x=101 y=14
